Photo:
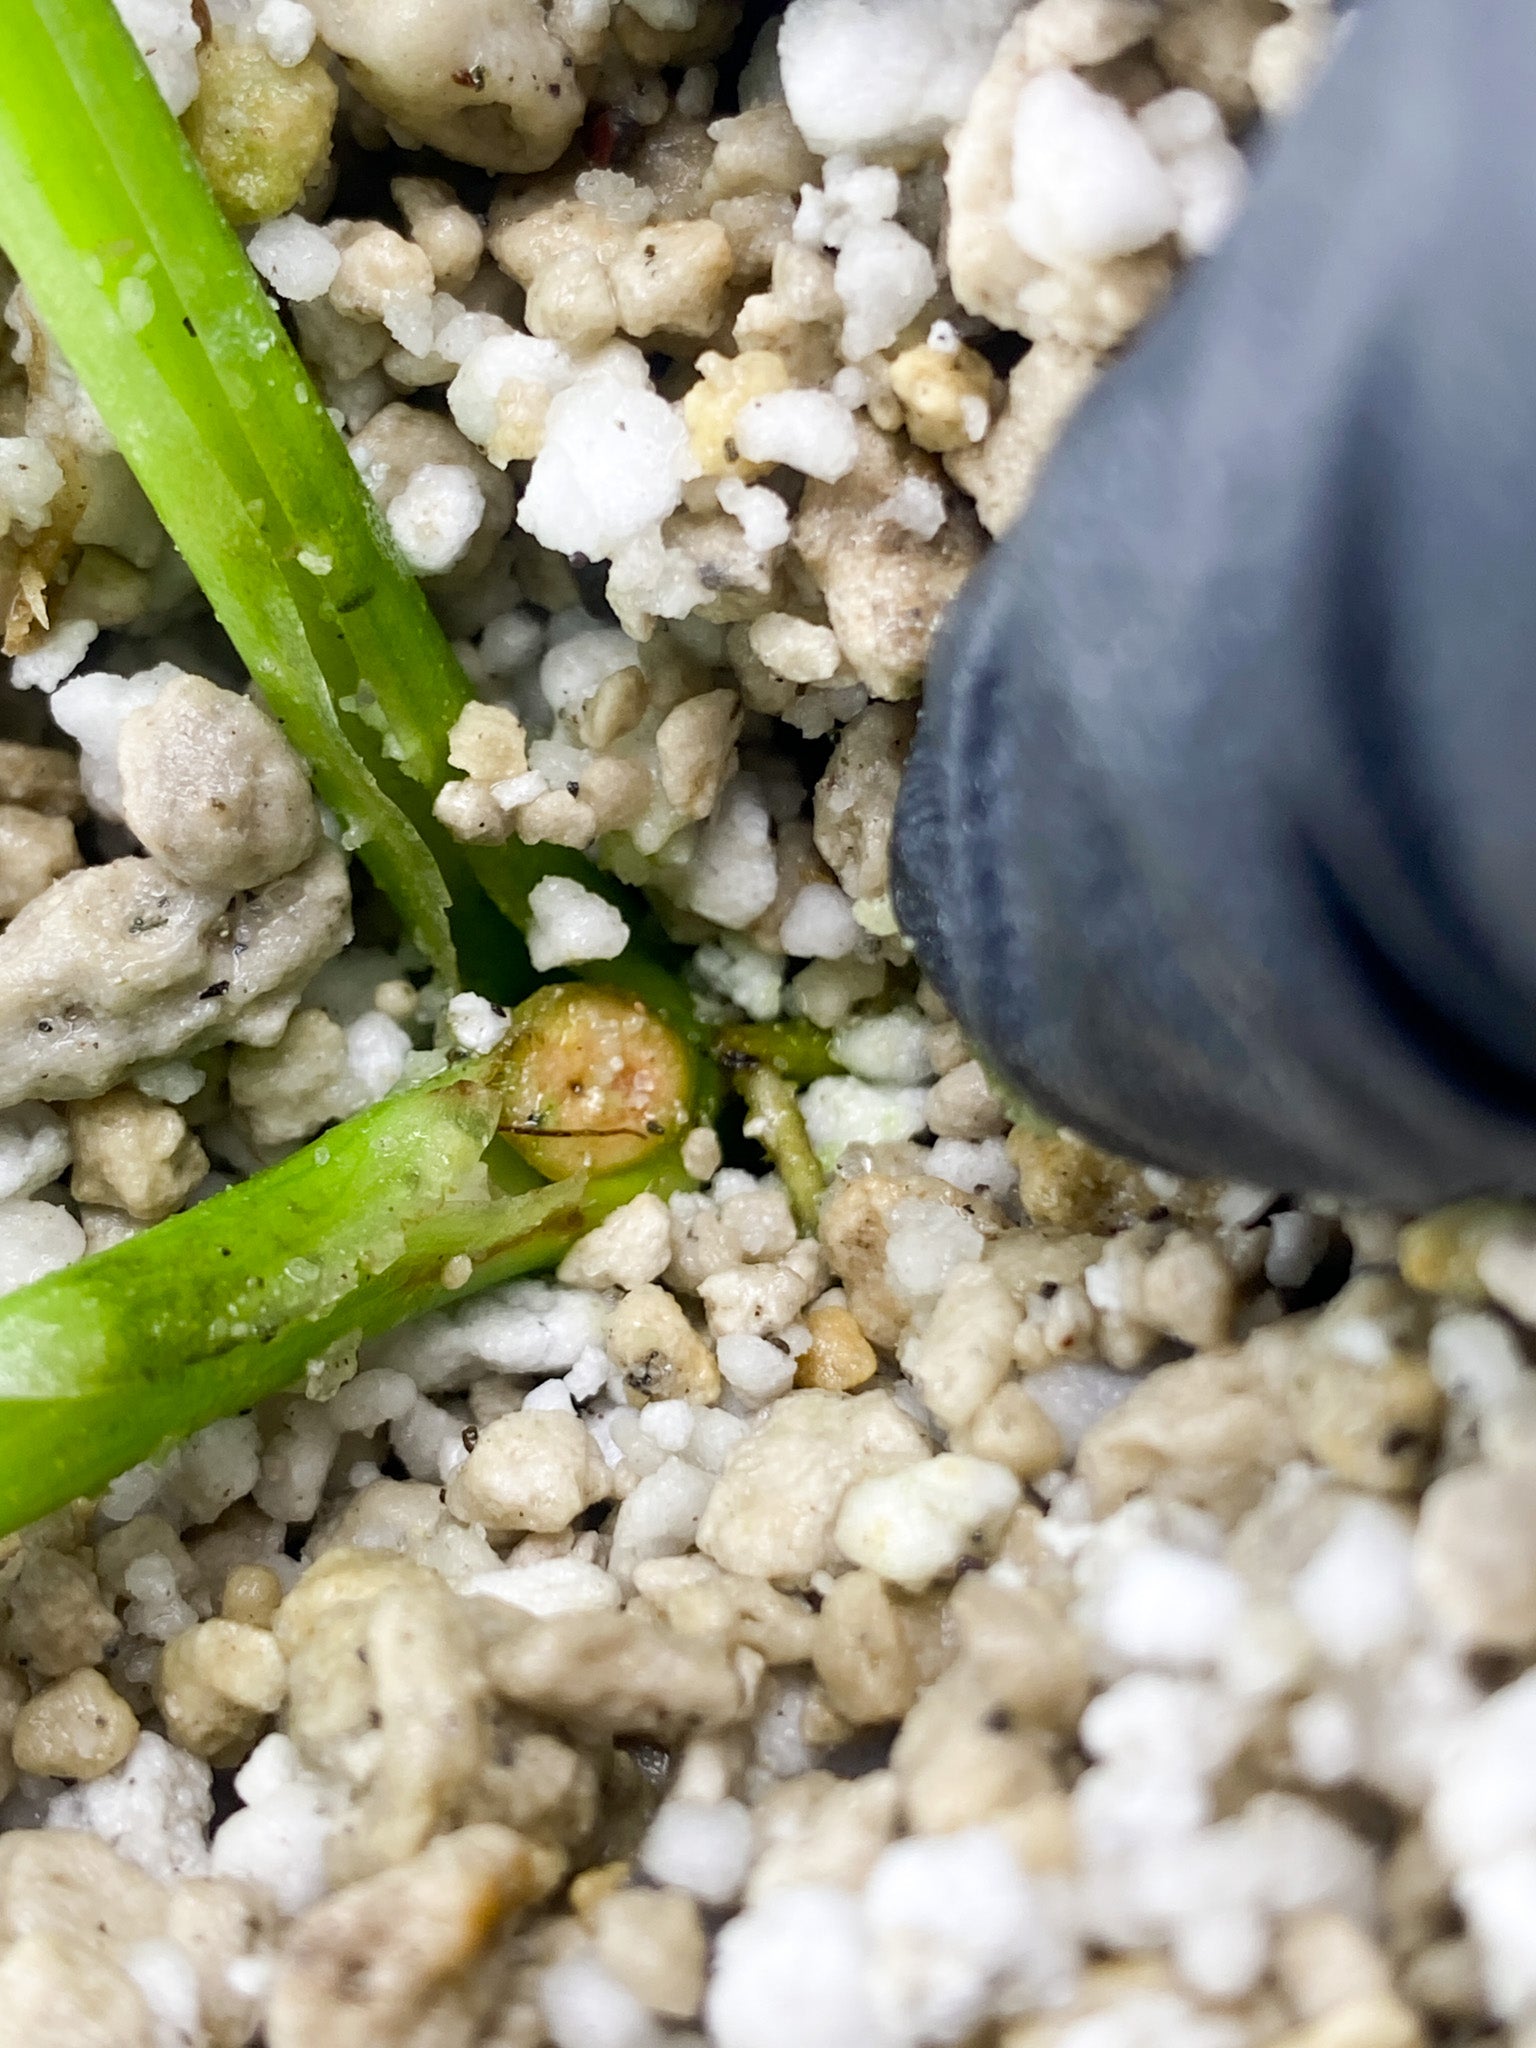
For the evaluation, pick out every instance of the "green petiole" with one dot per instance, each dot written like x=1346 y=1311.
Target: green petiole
x=774 y=1119
x=103 y=1363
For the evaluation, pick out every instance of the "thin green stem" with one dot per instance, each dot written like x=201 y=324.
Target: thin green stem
x=774 y=1119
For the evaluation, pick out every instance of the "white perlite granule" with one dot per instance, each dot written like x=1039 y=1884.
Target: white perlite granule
x=1086 y=184
x=762 y=514
x=477 y=1025
x=841 y=1110
x=286 y=31
x=296 y=258
x=868 y=75
x=34 y=1148
x=30 y=479
x=154 y=1809
x=35 y=1238
x=809 y=430
x=794 y=1968
x=884 y=277
x=613 y=463
x=571 y=923
x=53 y=656
x=703 y=1849
x=585 y=2007
x=819 y=924
x=436 y=516
x=93 y=710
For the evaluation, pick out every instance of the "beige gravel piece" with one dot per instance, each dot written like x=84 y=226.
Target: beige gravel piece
x=616 y=1674
x=536 y=1471
x=381 y=1964
x=52 y=1991
x=78 y=1727
x=653 y=1942
x=133 y=1154
x=34 y=851
x=774 y=1507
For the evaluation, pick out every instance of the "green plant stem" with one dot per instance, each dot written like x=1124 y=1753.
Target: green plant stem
x=774 y=1119
x=105 y=1362
x=793 y=1047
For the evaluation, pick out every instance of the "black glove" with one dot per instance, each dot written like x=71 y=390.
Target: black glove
x=1219 y=834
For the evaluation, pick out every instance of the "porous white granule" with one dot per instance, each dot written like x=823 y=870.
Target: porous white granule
x=660 y=1518
x=494 y=360
x=530 y=1326
x=585 y=2007
x=477 y=1025
x=733 y=876
x=370 y=1400
x=571 y=923
x=555 y=1585
x=1355 y=1594
x=851 y=195
x=758 y=1370
x=892 y=1046
x=651 y=579
x=578 y=662
x=1169 y=1606
x=841 y=1110
x=154 y=1809
x=436 y=516
x=869 y=75
x=34 y=1148
x=93 y=709
x=1499 y=1901
x=613 y=463
x=214 y=1468
x=296 y=1464
x=884 y=277
x=295 y=257
x=155 y=1609
x=958 y=1932
x=928 y=1241
x=377 y=1051
x=1086 y=183
x=36 y=1238
x=278 y=1837
x=54 y=656
x=1483 y=1803
x=744 y=975
x=917 y=503
x=982 y=1167
x=794 y=1967
x=429 y=1442
x=286 y=31
x=1208 y=175
x=761 y=514
x=167 y=34
x=914 y=1526
x=703 y=1849
x=819 y=924
x=809 y=430
x=1324 y=1732
x=668 y=1424
x=30 y=480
